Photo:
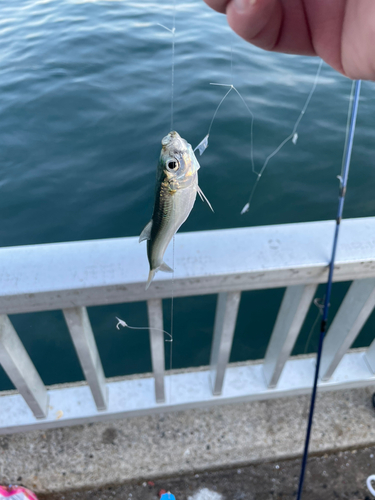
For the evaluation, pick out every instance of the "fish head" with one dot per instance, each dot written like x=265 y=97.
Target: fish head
x=178 y=161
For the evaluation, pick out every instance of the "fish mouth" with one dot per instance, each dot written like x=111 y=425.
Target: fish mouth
x=174 y=145
x=170 y=138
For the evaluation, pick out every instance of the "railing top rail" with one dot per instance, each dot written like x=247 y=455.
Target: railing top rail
x=84 y=273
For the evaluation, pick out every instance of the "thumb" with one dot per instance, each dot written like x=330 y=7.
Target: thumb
x=257 y=21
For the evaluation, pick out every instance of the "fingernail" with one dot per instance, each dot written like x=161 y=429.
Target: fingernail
x=243 y=5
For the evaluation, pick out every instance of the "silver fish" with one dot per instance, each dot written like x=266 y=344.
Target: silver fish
x=175 y=193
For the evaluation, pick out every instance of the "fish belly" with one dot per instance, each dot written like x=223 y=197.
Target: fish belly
x=174 y=212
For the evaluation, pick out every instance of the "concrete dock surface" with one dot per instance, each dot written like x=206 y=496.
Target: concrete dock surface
x=340 y=475
x=248 y=450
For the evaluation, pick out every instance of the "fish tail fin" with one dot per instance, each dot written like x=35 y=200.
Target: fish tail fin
x=164 y=267
x=151 y=276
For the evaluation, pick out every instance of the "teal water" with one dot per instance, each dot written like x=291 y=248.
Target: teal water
x=84 y=102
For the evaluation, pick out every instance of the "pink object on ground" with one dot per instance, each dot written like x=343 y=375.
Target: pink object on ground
x=16 y=493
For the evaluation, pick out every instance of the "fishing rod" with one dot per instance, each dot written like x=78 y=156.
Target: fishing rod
x=342 y=191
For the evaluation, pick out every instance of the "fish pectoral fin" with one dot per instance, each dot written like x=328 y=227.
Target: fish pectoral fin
x=164 y=267
x=146 y=233
x=151 y=276
x=203 y=197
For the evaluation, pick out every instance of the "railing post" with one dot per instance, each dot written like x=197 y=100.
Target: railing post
x=370 y=356
x=155 y=321
x=225 y=324
x=348 y=322
x=20 y=369
x=79 y=326
x=294 y=307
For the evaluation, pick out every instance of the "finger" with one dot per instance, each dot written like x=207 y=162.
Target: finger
x=218 y=5
x=257 y=21
x=358 y=57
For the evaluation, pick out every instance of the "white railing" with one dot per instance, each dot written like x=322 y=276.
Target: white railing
x=72 y=276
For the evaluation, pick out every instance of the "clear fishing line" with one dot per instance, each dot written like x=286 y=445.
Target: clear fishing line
x=173 y=51
x=320 y=307
x=293 y=136
x=173 y=32
x=174 y=211
x=172 y=318
x=120 y=322
x=340 y=177
x=203 y=145
x=123 y=323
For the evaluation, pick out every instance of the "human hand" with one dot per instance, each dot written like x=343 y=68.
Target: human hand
x=341 y=32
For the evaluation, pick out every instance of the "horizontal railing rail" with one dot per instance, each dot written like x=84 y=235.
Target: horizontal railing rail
x=73 y=276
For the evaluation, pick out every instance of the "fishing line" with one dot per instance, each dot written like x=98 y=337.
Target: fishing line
x=320 y=312
x=343 y=178
x=231 y=62
x=203 y=145
x=173 y=51
x=122 y=323
x=293 y=136
x=340 y=177
x=172 y=318
x=173 y=32
x=174 y=210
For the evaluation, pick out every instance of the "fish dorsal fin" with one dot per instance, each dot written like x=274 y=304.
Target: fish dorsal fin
x=146 y=233
x=203 y=197
x=164 y=267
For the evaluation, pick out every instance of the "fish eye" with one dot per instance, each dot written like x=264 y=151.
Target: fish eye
x=172 y=165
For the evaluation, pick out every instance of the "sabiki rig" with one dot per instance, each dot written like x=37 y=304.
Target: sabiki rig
x=175 y=192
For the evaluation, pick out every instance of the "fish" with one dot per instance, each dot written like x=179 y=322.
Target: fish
x=175 y=193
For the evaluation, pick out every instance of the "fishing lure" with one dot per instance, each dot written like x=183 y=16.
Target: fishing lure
x=175 y=193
